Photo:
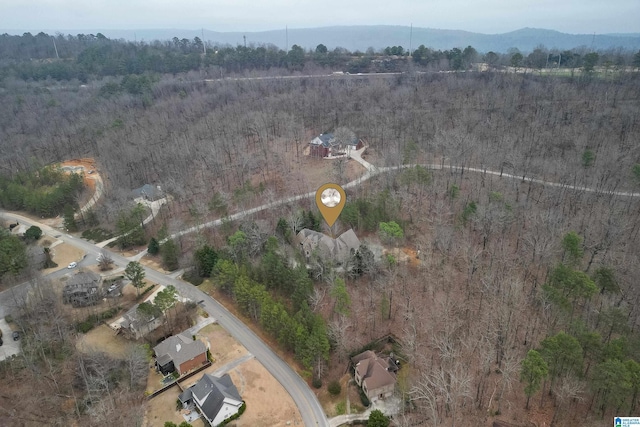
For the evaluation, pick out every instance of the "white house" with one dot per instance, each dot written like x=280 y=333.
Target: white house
x=216 y=398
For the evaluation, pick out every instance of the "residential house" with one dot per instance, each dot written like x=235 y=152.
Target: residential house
x=216 y=398
x=334 y=144
x=147 y=192
x=180 y=353
x=82 y=290
x=375 y=374
x=338 y=249
x=323 y=145
x=136 y=324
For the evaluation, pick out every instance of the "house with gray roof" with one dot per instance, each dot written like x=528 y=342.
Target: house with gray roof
x=82 y=290
x=148 y=192
x=334 y=144
x=136 y=324
x=217 y=398
x=339 y=249
x=180 y=353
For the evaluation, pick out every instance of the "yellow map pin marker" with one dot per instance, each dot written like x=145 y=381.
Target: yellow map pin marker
x=330 y=199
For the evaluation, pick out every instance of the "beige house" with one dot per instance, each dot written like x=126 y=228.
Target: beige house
x=376 y=375
x=338 y=249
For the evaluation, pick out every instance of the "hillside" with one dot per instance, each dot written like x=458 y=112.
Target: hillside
x=379 y=36
x=537 y=260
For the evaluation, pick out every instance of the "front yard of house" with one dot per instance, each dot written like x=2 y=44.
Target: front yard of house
x=268 y=403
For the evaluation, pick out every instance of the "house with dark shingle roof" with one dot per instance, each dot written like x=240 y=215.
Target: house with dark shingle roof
x=323 y=145
x=180 y=353
x=334 y=144
x=376 y=375
x=83 y=289
x=147 y=192
x=217 y=398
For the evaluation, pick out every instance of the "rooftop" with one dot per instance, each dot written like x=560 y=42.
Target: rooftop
x=179 y=349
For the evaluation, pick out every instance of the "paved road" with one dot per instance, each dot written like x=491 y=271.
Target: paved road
x=306 y=401
x=372 y=170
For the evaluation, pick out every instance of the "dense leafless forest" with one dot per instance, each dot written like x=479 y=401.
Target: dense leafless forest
x=505 y=265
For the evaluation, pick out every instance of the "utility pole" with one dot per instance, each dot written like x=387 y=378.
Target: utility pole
x=410 y=39
x=286 y=35
x=245 y=41
x=204 y=45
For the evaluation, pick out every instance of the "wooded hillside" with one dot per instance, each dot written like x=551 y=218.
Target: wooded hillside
x=509 y=270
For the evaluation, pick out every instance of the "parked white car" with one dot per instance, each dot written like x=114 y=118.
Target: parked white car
x=73 y=265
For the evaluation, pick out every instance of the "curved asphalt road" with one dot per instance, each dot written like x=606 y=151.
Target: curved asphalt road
x=306 y=401
x=308 y=405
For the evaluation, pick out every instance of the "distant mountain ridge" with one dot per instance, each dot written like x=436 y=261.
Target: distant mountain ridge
x=380 y=36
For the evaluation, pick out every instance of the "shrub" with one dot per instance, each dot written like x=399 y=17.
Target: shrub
x=334 y=388
x=316 y=382
x=588 y=157
x=154 y=246
x=193 y=277
x=85 y=326
x=235 y=416
x=389 y=231
x=93 y=320
x=97 y=234
x=364 y=399
x=33 y=233
x=469 y=210
x=147 y=289
x=454 y=191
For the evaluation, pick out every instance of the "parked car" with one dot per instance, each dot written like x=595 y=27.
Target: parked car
x=73 y=265
x=112 y=288
x=15 y=335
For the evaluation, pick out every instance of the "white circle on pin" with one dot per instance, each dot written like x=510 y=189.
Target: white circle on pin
x=330 y=197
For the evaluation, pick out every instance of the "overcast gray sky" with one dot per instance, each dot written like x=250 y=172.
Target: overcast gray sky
x=488 y=16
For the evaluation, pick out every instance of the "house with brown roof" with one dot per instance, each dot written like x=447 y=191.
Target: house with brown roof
x=180 y=353
x=375 y=374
